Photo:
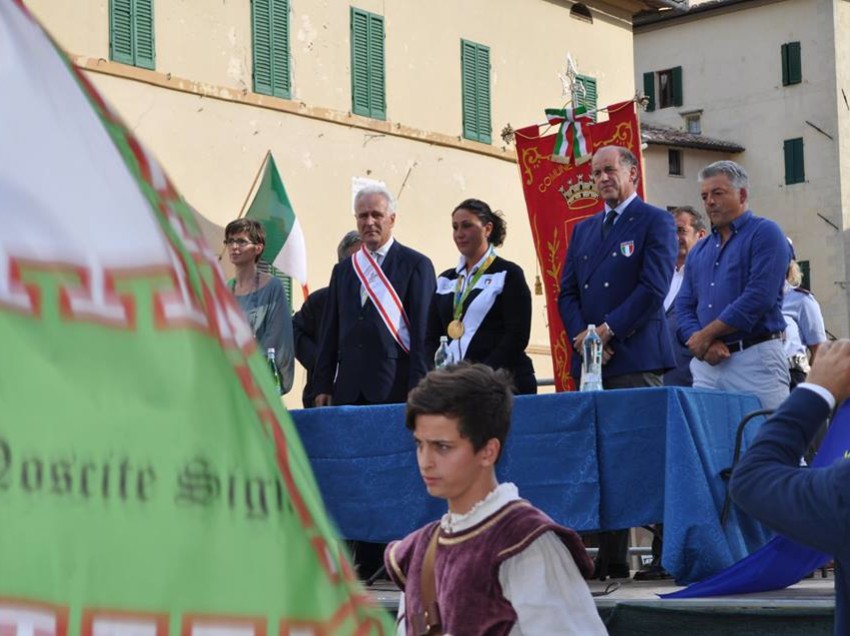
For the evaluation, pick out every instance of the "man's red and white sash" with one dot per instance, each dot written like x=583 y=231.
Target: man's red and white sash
x=383 y=296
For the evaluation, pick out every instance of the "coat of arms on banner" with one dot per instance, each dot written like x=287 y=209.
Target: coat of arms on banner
x=627 y=248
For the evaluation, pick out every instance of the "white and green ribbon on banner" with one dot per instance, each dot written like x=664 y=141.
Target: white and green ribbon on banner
x=572 y=139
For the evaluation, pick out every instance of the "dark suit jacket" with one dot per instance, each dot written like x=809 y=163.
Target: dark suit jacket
x=808 y=505
x=359 y=361
x=307 y=333
x=680 y=375
x=622 y=280
x=502 y=337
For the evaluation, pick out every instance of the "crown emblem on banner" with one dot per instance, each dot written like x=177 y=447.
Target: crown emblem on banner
x=580 y=192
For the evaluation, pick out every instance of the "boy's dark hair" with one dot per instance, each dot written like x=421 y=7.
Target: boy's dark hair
x=481 y=398
x=254 y=230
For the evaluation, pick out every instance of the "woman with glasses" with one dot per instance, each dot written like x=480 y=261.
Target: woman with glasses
x=261 y=296
x=483 y=305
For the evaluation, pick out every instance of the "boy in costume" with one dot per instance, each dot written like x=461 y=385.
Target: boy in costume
x=494 y=564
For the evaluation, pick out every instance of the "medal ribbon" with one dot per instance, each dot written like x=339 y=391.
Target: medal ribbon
x=460 y=298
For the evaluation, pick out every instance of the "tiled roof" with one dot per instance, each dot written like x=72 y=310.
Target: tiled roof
x=663 y=136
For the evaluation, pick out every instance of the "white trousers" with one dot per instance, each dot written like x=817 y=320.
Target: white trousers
x=761 y=370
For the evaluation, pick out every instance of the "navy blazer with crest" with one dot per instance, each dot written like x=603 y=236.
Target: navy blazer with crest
x=622 y=280
x=358 y=360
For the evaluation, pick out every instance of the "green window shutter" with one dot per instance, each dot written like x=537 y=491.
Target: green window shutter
x=144 y=34
x=359 y=62
x=588 y=100
x=482 y=77
x=121 y=31
x=286 y=281
x=261 y=18
x=377 y=93
x=649 y=90
x=805 y=270
x=784 y=55
x=469 y=87
x=279 y=51
x=794 y=163
x=368 y=92
x=795 y=65
x=475 y=88
x=677 y=86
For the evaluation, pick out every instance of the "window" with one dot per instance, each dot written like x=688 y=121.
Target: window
x=270 y=23
x=794 y=164
x=669 y=84
x=587 y=96
x=368 y=93
x=805 y=270
x=674 y=162
x=475 y=87
x=581 y=12
x=694 y=124
x=131 y=30
x=792 y=65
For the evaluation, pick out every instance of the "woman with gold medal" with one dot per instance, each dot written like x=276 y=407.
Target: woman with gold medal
x=483 y=305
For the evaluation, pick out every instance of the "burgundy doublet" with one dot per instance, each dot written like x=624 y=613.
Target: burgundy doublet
x=467 y=563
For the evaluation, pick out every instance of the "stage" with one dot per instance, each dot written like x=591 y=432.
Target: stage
x=634 y=609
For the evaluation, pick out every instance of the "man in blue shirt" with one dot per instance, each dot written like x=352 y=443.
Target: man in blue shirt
x=808 y=505
x=729 y=308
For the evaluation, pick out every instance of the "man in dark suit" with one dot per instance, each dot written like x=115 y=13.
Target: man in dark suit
x=617 y=271
x=307 y=322
x=373 y=345
x=690 y=228
x=808 y=505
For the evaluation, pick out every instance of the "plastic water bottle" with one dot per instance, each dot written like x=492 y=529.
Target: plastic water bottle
x=270 y=356
x=591 y=366
x=441 y=358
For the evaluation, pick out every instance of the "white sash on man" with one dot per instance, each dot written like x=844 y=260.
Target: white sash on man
x=383 y=296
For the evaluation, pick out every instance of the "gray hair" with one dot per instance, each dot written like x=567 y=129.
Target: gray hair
x=348 y=241
x=627 y=157
x=734 y=171
x=374 y=188
x=697 y=222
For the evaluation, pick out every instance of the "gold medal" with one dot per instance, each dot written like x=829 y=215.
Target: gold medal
x=455 y=329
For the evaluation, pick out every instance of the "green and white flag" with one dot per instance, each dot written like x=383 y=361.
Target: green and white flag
x=285 y=248
x=151 y=483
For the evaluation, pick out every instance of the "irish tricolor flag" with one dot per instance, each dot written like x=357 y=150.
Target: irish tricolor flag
x=151 y=483
x=284 y=239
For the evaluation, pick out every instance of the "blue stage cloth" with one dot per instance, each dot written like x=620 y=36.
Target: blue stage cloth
x=603 y=460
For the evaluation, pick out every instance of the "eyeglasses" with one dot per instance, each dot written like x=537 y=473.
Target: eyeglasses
x=240 y=243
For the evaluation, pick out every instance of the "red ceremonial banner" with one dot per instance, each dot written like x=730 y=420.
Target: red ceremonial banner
x=558 y=196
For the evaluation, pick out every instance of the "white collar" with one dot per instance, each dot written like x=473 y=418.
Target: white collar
x=461 y=264
x=619 y=209
x=498 y=498
x=384 y=248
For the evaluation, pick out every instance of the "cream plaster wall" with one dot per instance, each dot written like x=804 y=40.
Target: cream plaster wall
x=732 y=71
x=665 y=190
x=212 y=145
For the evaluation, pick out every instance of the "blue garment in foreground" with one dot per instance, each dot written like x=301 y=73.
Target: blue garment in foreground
x=782 y=562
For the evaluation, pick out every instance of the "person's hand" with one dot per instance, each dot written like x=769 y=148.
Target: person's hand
x=717 y=353
x=699 y=343
x=831 y=369
x=578 y=343
x=323 y=399
x=605 y=333
x=607 y=354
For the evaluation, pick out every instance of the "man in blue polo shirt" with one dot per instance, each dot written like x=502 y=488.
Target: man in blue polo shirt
x=729 y=308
